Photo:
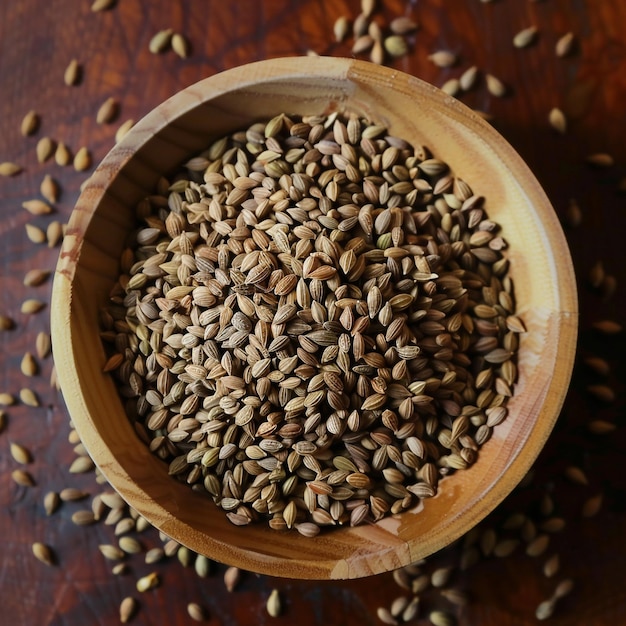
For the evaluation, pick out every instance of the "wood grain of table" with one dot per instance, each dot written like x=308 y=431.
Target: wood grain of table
x=37 y=41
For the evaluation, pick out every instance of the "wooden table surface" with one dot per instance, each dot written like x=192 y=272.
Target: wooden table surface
x=37 y=41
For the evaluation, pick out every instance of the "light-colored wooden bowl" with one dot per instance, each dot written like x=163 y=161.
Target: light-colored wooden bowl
x=184 y=125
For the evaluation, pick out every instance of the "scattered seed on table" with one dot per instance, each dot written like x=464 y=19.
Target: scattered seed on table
x=608 y=287
x=49 y=189
x=7 y=168
x=601 y=427
x=551 y=566
x=441 y=618
x=180 y=45
x=51 y=502
x=72 y=494
x=122 y=131
x=441 y=576
x=232 y=576
x=62 y=155
x=362 y=44
x=130 y=545
x=119 y=568
x=340 y=28
x=602 y=392
x=112 y=553
x=160 y=41
x=37 y=207
x=54 y=233
x=360 y=25
x=385 y=616
x=128 y=608
x=32 y=306
x=30 y=123
x=197 y=612
x=545 y=610
x=525 y=37
x=443 y=58
x=402 y=25
x=72 y=74
x=20 y=454
x=455 y=596
x=395 y=46
x=553 y=525
x=44 y=149
x=83 y=517
x=81 y=464
x=573 y=214
x=102 y=5
x=150 y=581
x=538 y=545
x=23 y=478
x=273 y=604
x=107 y=111
x=6 y=399
x=576 y=475
x=368 y=7
x=558 y=120
x=378 y=53
x=202 y=566
x=6 y=323
x=29 y=397
x=591 y=506
x=28 y=365
x=607 y=327
x=565 y=45
x=600 y=160
x=495 y=86
x=596 y=274
x=505 y=548
x=563 y=589
x=43 y=553
x=154 y=555
x=468 y=78
x=451 y=87
x=82 y=160
x=43 y=344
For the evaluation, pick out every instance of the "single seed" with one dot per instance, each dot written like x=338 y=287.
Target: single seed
x=377 y=54
x=54 y=233
x=340 y=28
x=102 y=5
x=368 y=7
x=130 y=545
x=592 y=505
x=600 y=160
x=150 y=581
x=451 y=87
x=49 y=189
x=160 y=41
x=20 y=454
x=574 y=214
x=28 y=365
x=72 y=73
x=557 y=120
x=71 y=494
x=31 y=306
x=273 y=605
x=551 y=566
x=6 y=399
x=30 y=124
x=607 y=327
x=395 y=46
x=81 y=464
x=197 y=612
x=525 y=37
x=7 y=168
x=122 y=131
x=441 y=618
x=51 y=502
x=538 y=545
x=108 y=111
x=43 y=344
x=180 y=45
x=62 y=155
x=385 y=616
x=83 y=517
x=565 y=45
x=43 y=553
x=128 y=608
x=44 y=149
x=37 y=207
x=23 y=478
x=6 y=323
x=29 y=397
x=495 y=86
x=402 y=25
x=154 y=555
x=443 y=58
x=563 y=589
x=82 y=160
x=602 y=392
x=601 y=427
x=232 y=576
x=112 y=553
x=119 y=568
x=468 y=78
x=545 y=610
x=576 y=475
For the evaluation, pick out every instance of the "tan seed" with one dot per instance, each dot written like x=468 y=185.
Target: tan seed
x=102 y=5
x=83 y=517
x=385 y=616
x=28 y=365
x=54 y=233
x=451 y=87
x=82 y=160
x=43 y=553
x=20 y=454
x=160 y=41
x=565 y=45
x=128 y=608
x=37 y=207
x=51 y=502
x=525 y=37
x=119 y=568
x=232 y=576
x=71 y=494
x=23 y=478
x=107 y=111
x=545 y=610
x=538 y=545
x=576 y=475
x=495 y=86
x=7 y=168
x=197 y=612
x=72 y=73
x=443 y=58
x=402 y=25
x=592 y=506
x=6 y=399
x=377 y=54
x=468 y=78
x=601 y=427
x=30 y=124
x=600 y=160
x=563 y=589
x=35 y=234
x=44 y=149
x=148 y=582
x=574 y=214
x=340 y=28
x=441 y=618
x=122 y=131
x=368 y=7
x=32 y=305
x=154 y=555
x=273 y=604
x=29 y=397
x=112 y=553
x=607 y=327
x=602 y=392
x=130 y=545
x=49 y=189
x=62 y=155
x=43 y=344
x=395 y=46
x=551 y=566
x=557 y=120
x=80 y=465
x=180 y=45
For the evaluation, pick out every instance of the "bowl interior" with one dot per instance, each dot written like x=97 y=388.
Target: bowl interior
x=184 y=125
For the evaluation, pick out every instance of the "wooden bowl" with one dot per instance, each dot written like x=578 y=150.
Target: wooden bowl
x=183 y=126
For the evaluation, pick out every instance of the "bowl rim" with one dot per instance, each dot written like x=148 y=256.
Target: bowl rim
x=179 y=105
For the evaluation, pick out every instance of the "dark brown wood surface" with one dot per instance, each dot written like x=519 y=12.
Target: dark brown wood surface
x=37 y=41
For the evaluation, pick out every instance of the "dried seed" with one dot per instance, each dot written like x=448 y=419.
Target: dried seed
x=81 y=464
x=43 y=553
x=451 y=87
x=340 y=28
x=574 y=214
x=402 y=25
x=6 y=399
x=82 y=160
x=468 y=78
x=377 y=54
x=112 y=553
x=495 y=86
x=43 y=344
x=119 y=568
x=592 y=506
x=557 y=120
x=600 y=160
x=551 y=566
x=49 y=189
x=196 y=612
x=538 y=545
x=576 y=475
x=601 y=427
x=45 y=148
x=128 y=608
x=20 y=454
x=102 y=5
x=62 y=155
x=232 y=576
x=441 y=576
x=385 y=616
x=37 y=207
x=9 y=169
x=180 y=45
x=154 y=555
x=30 y=124
x=607 y=327
x=51 y=502
x=443 y=58
x=22 y=478
x=368 y=7
x=6 y=323
x=73 y=73
x=150 y=581
x=602 y=392
x=545 y=609
x=395 y=46
x=441 y=618
x=130 y=545
x=28 y=365
x=71 y=494
x=107 y=111
x=525 y=37
x=563 y=589
x=565 y=45
x=122 y=131
x=160 y=41
x=83 y=517
x=273 y=605
x=29 y=397
x=54 y=233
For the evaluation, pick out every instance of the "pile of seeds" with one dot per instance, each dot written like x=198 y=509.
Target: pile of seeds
x=316 y=323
